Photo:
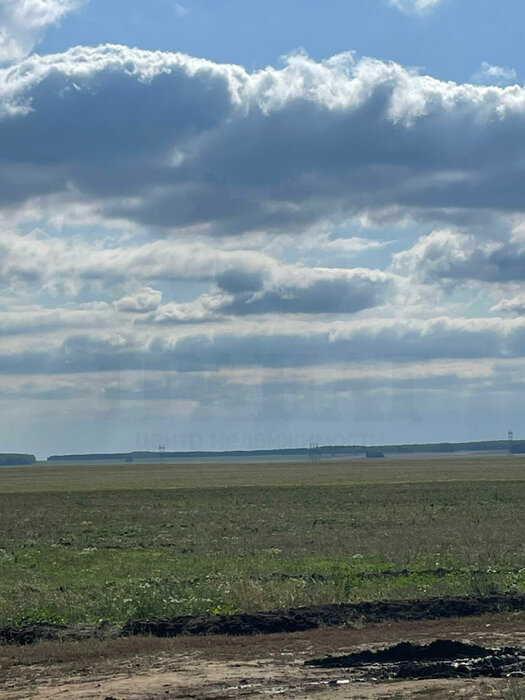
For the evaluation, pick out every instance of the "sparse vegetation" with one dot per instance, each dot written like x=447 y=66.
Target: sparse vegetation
x=81 y=556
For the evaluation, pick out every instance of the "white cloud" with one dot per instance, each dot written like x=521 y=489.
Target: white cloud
x=324 y=243
x=516 y=305
x=28 y=320
x=142 y=301
x=455 y=257
x=59 y=265
x=415 y=5
x=22 y=23
x=495 y=75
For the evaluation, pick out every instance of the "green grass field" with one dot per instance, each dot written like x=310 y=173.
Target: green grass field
x=80 y=544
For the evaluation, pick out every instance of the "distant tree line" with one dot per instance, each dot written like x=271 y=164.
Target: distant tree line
x=13 y=460
x=518 y=447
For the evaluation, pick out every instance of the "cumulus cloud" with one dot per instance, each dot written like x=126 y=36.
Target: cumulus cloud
x=314 y=291
x=142 y=301
x=457 y=257
x=175 y=142
x=199 y=311
x=494 y=75
x=305 y=291
x=516 y=305
x=69 y=265
x=22 y=23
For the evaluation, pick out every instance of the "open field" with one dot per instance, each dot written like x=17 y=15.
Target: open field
x=150 y=475
x=80 y=544
x=87 y=543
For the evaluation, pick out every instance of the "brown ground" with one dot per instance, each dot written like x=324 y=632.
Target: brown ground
x=144 y=668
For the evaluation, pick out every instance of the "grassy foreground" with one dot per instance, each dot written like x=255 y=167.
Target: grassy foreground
x=80 y=544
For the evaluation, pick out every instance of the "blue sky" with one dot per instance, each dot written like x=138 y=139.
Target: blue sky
x=449 y=42
x=247 y=224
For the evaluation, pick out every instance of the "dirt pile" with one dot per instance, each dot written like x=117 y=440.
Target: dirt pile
x=292 y=620
x=301 y=619
x=439 y=659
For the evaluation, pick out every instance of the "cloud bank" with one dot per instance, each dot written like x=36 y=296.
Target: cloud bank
x=184 y=144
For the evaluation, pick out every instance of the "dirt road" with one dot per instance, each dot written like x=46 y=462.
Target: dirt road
x=144 y=668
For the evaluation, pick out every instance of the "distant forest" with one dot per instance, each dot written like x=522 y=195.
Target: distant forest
x=516 y=447
x=14 y=460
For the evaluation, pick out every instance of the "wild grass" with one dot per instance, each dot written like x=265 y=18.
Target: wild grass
x=84 y=556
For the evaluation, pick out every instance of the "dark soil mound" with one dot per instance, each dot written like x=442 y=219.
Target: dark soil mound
x=30 y=633
x=440 y=650
x=300 y=619
x=440 y=659
x=38 y=632
x=293 y=620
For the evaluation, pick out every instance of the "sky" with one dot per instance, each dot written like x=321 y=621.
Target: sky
x=237 y=225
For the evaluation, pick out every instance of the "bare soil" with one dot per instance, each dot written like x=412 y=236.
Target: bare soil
x=271 y=665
